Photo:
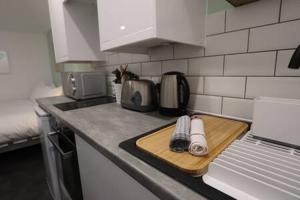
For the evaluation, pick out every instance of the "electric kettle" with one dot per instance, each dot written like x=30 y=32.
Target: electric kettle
x=174 y=94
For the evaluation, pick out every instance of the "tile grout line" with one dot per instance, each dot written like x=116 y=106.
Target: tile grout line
x=275 y=67
x=248 y=41
x=188 y=67
x=253 y=27
x=222 y=101
x=245 y=87
x=204 y=79
x=280 y=9
x=215 y=55
x=225 y=20
x=173 y=48
x=223 y=66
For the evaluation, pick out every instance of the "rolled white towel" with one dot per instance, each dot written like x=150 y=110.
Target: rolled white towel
x=198 y=144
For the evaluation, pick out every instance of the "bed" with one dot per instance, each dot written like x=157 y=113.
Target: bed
x=18 y=122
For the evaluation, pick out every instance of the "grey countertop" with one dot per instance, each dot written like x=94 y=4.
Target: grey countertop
x=106 y=126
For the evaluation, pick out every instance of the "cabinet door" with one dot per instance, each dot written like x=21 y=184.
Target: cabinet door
x=102 y=179
x=119 y=19
x=56 y=11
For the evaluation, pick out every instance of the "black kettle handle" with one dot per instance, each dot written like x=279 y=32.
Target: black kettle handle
x=186 y=91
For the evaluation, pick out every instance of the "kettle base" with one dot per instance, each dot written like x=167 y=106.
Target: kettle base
x=172 y=111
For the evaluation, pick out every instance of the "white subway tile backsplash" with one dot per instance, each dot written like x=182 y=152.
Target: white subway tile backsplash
x=151 y=68
x=113 y=59
x=196 y=84
x=156 y=80
x=161 y=53
x=215 y=23
x=110 y=91
x=252 y=15
x=187 y=51
x=174 y=65
x=225 y=86
x=227 y=43
x=204 y=103
x=207 y=66
x=135 y=68
x=241 y=108
x=125 y=58
x=109 y=80
x=108 y=70
x=285 y=87
x=283 y=60
x=236 y=66
x=290 y=10
x=250 y=64
x=146 y=78
x=278 y=36
x=140 y=58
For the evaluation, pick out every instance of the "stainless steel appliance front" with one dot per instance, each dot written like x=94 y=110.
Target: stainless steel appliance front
x=84 y=85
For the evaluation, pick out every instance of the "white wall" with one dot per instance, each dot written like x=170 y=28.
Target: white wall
x=29 y=61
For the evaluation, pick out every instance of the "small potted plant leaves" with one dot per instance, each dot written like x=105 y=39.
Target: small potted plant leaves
x=121 y=75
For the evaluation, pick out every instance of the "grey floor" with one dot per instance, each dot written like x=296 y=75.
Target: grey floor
x=22 y=175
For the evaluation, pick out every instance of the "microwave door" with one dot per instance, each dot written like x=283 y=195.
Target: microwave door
x=93 y=85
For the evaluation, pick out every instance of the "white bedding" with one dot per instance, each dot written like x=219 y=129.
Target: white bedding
x=17 y=120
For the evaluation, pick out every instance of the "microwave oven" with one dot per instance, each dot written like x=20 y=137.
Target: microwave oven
x=84 y=85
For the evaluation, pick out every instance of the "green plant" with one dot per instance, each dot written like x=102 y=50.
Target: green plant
x=123 y=74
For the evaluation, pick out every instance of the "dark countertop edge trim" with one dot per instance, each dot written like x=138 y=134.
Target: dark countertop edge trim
x=132 y=172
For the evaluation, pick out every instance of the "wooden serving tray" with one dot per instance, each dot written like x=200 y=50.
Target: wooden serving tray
x=220 y=133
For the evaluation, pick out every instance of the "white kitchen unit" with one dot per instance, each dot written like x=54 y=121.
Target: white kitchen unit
x=102 y=179
x=134 y=25
x=75 y=31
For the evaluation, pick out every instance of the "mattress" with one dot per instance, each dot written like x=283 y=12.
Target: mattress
x=17 y=121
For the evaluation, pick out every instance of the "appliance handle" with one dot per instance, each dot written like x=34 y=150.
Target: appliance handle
x=64 y=154
x=186 y=91
x=295 y=60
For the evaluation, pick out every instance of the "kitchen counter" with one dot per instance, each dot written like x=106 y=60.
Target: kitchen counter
x=105 y=126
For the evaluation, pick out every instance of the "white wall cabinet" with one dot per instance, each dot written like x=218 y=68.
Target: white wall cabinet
x=102 y=179
x=75 y=30
x=134 y=25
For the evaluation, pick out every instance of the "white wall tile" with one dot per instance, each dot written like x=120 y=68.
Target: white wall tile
x=278 y=36
x=107 y=70
x=140 y=58
x=110 y=91
x=135 y=68
x=225 y=86
x=146 y=78
x=187 y=51
x=156 y=79
x=285 y=87
x=174 y=65
x=113 y=59
x=242 y=108
x=254 y=14
x=209 y=66
x=227 y=43
x=205 y=103
x=196 y=84
x=151 y=68
x=161 y=53
x=215 y=23
x=290 y=9
x=125 y=58
x=283 y=60
x=109 y=80
x=250 y=64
